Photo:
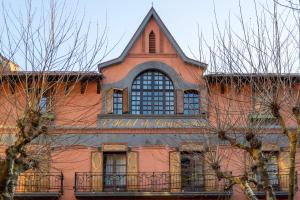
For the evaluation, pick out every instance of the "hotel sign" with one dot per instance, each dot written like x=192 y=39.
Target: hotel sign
x=150 y=122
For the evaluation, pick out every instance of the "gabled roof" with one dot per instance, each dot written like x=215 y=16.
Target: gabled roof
x=137 y=34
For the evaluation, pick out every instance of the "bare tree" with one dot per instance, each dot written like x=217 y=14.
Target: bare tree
x=47 y=46
x=254 y=91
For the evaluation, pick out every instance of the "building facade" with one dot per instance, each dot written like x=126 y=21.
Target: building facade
x=141 y=131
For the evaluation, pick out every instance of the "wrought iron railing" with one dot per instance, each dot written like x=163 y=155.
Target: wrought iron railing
x=148 y=182
x=40 y=182
x=280 y=182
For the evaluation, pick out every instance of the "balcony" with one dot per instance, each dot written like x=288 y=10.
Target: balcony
x=39 y=186
x=146 y=185
x=280 y=186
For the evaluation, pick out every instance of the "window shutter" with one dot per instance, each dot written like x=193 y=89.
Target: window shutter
x=284 y=165
x=248 y=163
x=44 y=181
x=210 y=177
x=50 y=102
x=125 y=105
x=203 y=101
x=132 y=169
x=109 y=101
x=96 y=165
x=175 y=170
x=179 y=101
x=37 y=181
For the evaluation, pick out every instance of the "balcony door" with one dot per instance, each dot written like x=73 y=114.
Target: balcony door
x=192 y=178
x=114 y=171
x=272 y=170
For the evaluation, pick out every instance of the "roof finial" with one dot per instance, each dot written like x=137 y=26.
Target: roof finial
x=152 y=4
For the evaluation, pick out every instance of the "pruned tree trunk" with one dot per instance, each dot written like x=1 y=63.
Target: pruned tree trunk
x=248 y=191
x=32 y=125
x=39 y=47
x=292 y=171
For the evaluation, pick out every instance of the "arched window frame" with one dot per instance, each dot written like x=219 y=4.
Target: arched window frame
x=191 y=102
x=152 y=93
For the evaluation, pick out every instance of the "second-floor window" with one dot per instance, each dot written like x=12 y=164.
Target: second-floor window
x=152 y=93
x=117 y=98
x=191 y=102
x=43 y=104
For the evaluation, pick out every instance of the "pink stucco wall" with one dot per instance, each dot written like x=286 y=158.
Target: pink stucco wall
x=153 y=159
x=68 y=161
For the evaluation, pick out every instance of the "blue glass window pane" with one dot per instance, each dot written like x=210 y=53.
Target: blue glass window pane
x=43 y=104
x=117 y=96
x=191 y=103
x=155 y=90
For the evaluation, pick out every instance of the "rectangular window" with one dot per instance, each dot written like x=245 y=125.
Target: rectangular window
x=262 y=97
x=117 y=102
x=262 y=115
x=191 y=103
x=114 y=171
x=43 y=104
x=192 y=171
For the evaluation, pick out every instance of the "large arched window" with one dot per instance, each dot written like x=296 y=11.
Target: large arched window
x=152 y=93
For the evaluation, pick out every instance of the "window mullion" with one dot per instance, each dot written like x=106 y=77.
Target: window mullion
x=164 y=96
x=153 y=93
x=141 y=94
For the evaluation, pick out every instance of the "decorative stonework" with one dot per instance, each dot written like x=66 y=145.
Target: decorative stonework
x=150 y=121
x=114 y=147
x=192 y=147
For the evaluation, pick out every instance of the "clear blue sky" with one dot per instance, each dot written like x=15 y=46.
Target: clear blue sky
x=180 y=16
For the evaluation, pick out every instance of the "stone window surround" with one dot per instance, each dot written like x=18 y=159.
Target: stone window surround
x=126 y=82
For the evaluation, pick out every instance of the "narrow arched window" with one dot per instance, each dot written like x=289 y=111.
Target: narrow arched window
x=152 y=93
x=152 y=48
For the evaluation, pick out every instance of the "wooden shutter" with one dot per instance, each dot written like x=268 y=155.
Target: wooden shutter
x=249 y=162
x=203 y=101
x=284 y=166
x=44 y=181
x=175 y=170
x=179 y=101
x=132 y=169
x=109 y=101
x=37 y=180
x=50 y=100
x=210 y=178
x=97 y=175
x=125 y=105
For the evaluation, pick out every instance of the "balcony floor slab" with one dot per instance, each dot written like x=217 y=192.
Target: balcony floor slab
x=150 y=195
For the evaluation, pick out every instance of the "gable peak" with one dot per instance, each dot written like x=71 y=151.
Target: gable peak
x=152 y=14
